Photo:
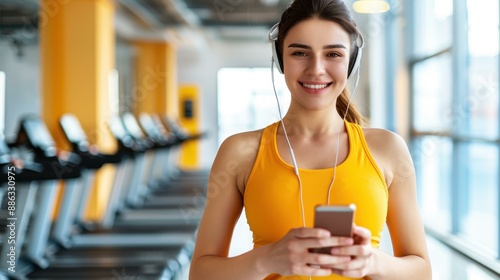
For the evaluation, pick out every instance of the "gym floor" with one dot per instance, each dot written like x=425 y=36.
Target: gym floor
x=447 y=264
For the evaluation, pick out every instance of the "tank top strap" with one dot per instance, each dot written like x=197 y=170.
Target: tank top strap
x=357 y=139
x=269 y=134
x=268 y=141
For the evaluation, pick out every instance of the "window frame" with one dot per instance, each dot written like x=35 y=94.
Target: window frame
x=460 y=91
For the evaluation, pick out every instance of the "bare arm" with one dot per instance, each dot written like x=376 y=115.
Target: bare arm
x=410 y=260
x=222 y=210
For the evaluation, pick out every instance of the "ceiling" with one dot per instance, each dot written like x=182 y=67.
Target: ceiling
x=164 y=19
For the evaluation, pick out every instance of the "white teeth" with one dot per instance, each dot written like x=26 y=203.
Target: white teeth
x=315 y=86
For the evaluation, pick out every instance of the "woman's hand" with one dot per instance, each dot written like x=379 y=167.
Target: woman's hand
x=290 y=255
x=359 y=254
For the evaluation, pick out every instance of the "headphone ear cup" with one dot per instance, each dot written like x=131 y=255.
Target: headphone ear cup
x=276 y=60
x=273 y=36
x=355 y=61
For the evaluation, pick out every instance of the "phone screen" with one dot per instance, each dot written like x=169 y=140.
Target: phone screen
x=338 y=219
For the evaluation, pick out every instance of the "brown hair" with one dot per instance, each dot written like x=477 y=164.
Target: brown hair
x=332 y=10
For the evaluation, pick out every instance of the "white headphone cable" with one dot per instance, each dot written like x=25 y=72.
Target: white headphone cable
x=338 y=137
x=292 y=155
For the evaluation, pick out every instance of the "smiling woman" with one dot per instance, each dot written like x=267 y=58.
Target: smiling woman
x=317 y=153
x=318 y=67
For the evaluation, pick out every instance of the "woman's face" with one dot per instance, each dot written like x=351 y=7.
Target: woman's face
x=315 y=59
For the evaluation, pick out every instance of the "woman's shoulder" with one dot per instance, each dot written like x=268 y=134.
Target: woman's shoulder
x=242 y=143
x=380 y=137
x=237 y=155
x=389 y=150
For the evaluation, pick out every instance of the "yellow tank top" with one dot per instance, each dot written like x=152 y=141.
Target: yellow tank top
x=272 y=196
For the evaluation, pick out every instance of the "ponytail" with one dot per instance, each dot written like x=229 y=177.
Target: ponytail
x=353 y=115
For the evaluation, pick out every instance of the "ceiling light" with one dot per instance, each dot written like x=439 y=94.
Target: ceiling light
x=370 y=6
x=270 y=3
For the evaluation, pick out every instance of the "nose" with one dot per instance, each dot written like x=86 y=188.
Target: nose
x=316 y=66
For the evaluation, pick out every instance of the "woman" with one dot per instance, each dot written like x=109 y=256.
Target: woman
x=317 y=154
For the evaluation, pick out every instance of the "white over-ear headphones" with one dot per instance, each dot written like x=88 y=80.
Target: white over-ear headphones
x=354 y=60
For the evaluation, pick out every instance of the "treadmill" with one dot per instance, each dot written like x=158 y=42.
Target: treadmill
x=156 y=256
x=76 y=136
x=30 y=183
x=170 y=190
x=186 y=195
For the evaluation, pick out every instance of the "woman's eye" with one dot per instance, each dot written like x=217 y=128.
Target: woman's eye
x=333 y=55
x=299 y=53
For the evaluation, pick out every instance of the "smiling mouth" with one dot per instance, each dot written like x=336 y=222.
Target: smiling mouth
x=315 y=86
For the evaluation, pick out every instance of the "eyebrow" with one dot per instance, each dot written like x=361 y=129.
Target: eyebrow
x=334 y=46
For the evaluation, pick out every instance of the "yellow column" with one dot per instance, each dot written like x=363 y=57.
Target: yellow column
x=77 y=55
x=189 y=117
x=156 y=79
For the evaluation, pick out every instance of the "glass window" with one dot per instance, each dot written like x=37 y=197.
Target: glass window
x=480 y=222
x=432 y=94
x=457 y=167
x=432 y=158
x=246 y=99
x=433 y=26
x=482 y=102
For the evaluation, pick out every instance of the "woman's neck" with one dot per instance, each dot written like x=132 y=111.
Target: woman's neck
x=313 y=123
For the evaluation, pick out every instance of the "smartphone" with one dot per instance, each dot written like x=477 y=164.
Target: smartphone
x=338 y=219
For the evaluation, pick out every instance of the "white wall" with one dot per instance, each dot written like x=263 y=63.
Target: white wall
x=200 y=66
x=22 y=84
x=22 y=79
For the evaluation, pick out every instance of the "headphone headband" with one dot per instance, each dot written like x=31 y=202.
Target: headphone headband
x=354 y=59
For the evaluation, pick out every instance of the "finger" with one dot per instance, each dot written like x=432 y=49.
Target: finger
x=363 y=234
x=354 y=264
x=334 y=241
x=325 y=260
x=355 y=251
x=305 y=232
x=353 y=269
